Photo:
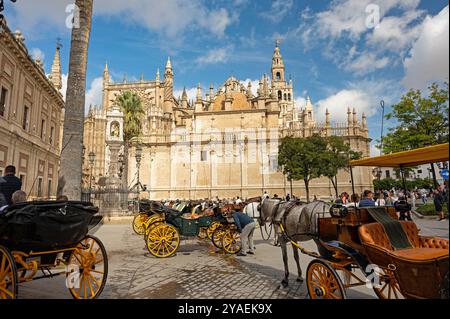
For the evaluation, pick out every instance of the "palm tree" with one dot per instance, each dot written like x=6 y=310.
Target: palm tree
x=131 y=106
x=70 y=173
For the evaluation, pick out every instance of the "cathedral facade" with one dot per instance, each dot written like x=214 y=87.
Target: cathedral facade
x=224 y=143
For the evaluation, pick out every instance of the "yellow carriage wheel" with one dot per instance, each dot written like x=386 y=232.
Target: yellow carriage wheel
x=163 y=240
x=323 y=282
x=8 y=275
x=139 y=222
x=217 y=237
x=231 y=241
x=211 y=229
x=87 y=269
x=150 y=227
x=388 y=287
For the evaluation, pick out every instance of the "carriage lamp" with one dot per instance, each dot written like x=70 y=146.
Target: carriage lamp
x=91 y=157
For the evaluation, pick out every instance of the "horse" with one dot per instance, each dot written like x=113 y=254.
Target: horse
x=252 y=209
x=299 y=222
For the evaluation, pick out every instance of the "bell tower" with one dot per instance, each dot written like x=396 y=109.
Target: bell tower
x=277 y=64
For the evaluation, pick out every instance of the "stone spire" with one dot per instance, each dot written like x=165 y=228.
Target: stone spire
x=327 y=117
x=364 y=120
x=168 y=64
x=249 y=90
x=199 y=93
x=106 y=77
x=55 y=74
x=158 y=77
x=355 y=118
x=211 y=92
x=142 y=77
x=168 y=88
x=349 y=117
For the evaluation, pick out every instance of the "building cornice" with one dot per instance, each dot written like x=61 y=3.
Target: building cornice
x=27 y=62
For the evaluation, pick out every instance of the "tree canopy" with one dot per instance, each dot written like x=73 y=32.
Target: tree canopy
x=131 y=106
x=422 y=121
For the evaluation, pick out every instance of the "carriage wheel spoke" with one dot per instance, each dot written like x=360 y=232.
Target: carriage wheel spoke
x=6 y=292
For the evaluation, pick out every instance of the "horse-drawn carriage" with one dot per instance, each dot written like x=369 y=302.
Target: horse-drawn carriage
x=42 y=236
x=394 y=259
x=162 y=227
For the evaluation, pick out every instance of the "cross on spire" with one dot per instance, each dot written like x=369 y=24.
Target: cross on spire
x=58 y=43
x=277 y=42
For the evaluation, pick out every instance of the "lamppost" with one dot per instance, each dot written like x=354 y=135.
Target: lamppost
x=138 y=156
x=121 y=168
x=382 y=127
x=91 y=157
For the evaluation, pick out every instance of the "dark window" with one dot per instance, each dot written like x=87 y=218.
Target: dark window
x=289 y=96
x=49 y=188
x=3 y=95
x=285 y=96
x=278 y=76
x=204 y=156
x=39 y=187
x=419 y=171
x=25 y=117
x=22 y=179
x=280 y=95
x=52 y=132
x=42 y=129
x=388 y=174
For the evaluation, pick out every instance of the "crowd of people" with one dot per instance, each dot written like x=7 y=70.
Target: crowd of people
x=394 y=197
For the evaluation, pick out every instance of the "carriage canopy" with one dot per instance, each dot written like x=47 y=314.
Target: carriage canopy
x=419 y=156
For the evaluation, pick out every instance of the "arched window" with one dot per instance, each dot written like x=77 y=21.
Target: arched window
x=279 y=95
x=289 y=96
x=285 y=97
x=278 y=76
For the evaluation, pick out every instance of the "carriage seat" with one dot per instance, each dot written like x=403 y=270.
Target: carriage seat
x=424 y=248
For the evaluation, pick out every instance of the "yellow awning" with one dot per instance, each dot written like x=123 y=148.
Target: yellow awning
x=425 y=155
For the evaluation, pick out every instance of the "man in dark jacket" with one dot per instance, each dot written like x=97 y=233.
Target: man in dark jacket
x=246 y=226
x=11 y=184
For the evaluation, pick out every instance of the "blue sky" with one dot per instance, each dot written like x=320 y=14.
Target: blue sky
x=342 y=53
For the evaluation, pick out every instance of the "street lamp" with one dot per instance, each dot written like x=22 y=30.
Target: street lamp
x=91 y=158
x=121 y=162
x=382 y=127
x=138 y=156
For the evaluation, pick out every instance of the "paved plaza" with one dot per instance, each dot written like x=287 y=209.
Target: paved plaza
x=198 y=270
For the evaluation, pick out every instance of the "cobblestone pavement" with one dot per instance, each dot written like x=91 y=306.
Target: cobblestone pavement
x=196 y=271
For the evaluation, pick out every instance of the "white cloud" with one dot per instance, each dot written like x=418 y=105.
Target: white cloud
x=279 y=9
x=213 y=56
x=338 y=103
x=366 y=63
x=300 y=102
x=255 y=85
x=37 y=53
x=95 y=93
x=367 y=48
x=170 y=17
x=428 y=60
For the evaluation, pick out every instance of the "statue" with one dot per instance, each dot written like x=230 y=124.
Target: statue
x=115 y=129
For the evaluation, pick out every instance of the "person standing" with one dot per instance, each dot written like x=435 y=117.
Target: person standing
x=246 y=226
x=380 y=200
x=288 y=198
x=438 y=201
x=11 y=184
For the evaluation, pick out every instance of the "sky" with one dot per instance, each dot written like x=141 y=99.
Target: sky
x=341 y=53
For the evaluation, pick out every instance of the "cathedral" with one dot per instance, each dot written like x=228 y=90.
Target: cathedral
x=224 y=143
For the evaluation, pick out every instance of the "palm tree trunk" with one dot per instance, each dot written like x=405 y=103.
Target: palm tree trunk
x=70 y=173
x=307 y=189
x=125 y=164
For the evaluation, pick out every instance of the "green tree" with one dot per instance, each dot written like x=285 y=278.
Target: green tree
x=422 y=121
x=131 y=106
x=337 y=157
x=301 y=158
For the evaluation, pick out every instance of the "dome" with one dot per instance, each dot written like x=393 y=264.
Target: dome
x=240 y=102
